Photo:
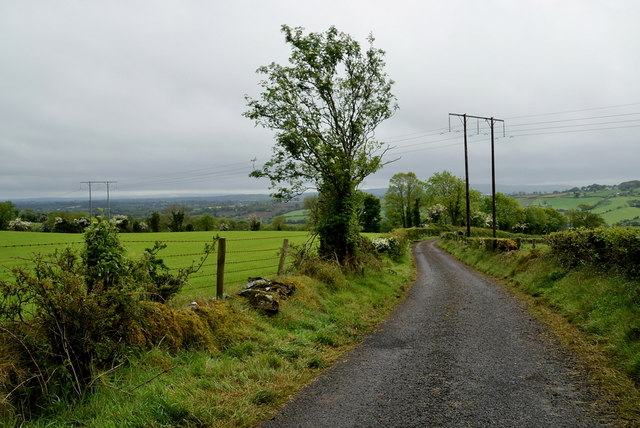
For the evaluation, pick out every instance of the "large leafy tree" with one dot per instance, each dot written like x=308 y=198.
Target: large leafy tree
x=585 y=219
x=509 y=213
x=369 y=215
x=7 y=213
x=541 y=220
x=448 y=190
x=400 y=200
x=325 y=106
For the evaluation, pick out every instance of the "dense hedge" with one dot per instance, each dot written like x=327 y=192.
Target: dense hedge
x=494 y=244
x=603 y=248
x=419 y=233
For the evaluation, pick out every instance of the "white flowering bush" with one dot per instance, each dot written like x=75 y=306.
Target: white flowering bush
x=121 y=222
x=436 y=213
x=65 y=225
x=389 y=245
x=119 y=219
x=141 y=227
x=481 y=219
x=520 y=227
x=82 y=222
x=19 y=225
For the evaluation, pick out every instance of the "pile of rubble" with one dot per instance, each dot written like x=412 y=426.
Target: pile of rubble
x=265 y=295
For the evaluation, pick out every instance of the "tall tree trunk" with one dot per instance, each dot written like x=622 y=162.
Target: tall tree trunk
x=338 y=226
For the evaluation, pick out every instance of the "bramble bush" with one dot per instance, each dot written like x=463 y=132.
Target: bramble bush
x=603 y=248
x=75 y=315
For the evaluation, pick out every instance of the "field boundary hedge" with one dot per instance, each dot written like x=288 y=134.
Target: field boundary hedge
x=602 y=248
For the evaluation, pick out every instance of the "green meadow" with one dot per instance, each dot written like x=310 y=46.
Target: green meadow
x=612 y=208
x=297 y=216
x=248 y=253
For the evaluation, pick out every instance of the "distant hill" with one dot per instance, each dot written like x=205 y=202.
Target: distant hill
x=618 y=204
x=231 y=206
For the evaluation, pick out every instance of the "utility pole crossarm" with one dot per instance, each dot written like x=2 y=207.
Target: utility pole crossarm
x=492 y=122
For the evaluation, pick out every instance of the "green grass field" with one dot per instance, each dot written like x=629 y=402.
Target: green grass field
x=297 y=216
x=248 y=253
x=613 y=209
x=562 y=202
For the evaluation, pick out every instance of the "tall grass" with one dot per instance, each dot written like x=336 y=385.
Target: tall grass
x=261 y=361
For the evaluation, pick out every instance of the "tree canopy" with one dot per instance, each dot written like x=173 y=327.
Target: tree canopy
x=324 y=106
x=447 y=190
x=370 y=213
x=509 y=213
x=400 y=200
x=7 y=213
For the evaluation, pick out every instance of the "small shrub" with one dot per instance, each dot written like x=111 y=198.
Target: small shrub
x=393 y=245
x=504 y=245
x=386 y=245
x=19 y=225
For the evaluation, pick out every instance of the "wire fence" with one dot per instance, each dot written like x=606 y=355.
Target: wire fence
x=247 y=254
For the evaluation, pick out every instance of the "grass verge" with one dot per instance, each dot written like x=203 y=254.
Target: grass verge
x=595 y=314
x=262 y=362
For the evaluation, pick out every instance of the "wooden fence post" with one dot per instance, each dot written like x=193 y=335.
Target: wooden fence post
x=222 y=250
x=283 y=256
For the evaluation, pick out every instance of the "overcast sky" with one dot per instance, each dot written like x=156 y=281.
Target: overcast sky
x=150 y=94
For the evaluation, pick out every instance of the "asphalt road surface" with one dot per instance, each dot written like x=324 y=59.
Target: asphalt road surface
x=458 y=352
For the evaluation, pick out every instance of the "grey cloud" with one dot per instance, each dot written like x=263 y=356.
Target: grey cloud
x=150 y=94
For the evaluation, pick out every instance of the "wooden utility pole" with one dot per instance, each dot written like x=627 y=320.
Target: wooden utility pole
x=493 y=180
x=491 y=121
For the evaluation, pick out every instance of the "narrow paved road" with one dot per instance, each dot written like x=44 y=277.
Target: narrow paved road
x=458 y=352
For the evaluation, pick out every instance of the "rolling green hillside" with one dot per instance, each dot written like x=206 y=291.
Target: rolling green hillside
x=616 y=204
x=297 y=216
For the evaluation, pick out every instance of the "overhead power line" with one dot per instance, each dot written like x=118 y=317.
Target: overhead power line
x=575 y=130
x=430 y=144
x=416 y=135
x=576 y=125
x=574 y=111
x=574 y=119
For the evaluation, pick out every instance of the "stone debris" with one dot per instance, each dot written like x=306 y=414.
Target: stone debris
x=265 y=295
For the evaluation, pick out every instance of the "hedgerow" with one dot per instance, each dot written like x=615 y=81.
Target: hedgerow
x=495 y=244
x=603 y=248
x=77 y=315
